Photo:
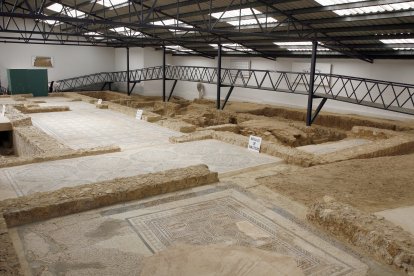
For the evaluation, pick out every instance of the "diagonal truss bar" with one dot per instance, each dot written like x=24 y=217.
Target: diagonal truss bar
x=386 y=95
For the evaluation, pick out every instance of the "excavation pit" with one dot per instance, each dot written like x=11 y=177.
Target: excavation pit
x=178 y=139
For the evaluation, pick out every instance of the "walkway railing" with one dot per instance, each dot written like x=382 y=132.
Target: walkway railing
x=393 y=96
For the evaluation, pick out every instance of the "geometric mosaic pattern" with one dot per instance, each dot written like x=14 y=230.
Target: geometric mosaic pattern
x=227 y=220
x=113 y=240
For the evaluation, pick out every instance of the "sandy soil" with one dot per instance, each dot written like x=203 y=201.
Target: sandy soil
x=368 y=184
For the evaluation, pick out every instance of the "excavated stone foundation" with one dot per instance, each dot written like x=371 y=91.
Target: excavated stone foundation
x=41 y=206
x=377 y=237
x=284 y=134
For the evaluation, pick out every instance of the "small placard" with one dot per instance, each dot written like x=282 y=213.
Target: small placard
x=139 y=114
x=100 y=101
x=254 y=143
x=3 y=110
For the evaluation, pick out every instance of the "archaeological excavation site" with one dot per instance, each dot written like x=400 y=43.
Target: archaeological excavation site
x=206 y=138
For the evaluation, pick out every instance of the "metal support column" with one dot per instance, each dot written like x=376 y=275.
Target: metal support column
x=218 y=75
x=227 y=97
x=129 y=92
x=163 y=74
x=172 y=90
x=311 y=83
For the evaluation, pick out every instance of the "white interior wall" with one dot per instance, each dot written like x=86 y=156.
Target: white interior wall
x=391 y=70
x=69 y=61
x=72 y=61
x=139 y=58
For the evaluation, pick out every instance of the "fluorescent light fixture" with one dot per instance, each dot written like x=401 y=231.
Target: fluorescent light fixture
x=252 y=21
x=235 y=13
x=294 y=43
x=231 y=47
x=307 y=49
x=336 y=2
x=298 y=46
x=51 y=22
x=403 y=49
x=56 y=7
x=95 y=35
x=126 y=31
x=111 y=3
x=175 y=23
x=397 y=41
x=178 y=48
x=364 y=10
x=240 y=13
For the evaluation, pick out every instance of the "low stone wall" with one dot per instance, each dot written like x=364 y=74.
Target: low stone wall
x=177 y=125
x=46 y=205
x=289 y=154
x=225 y=127
x=341 y=121
x=385 y=143
x=130 y=111
x=30 y=140
x=17 y=119
x=9 y=262
x=23 y=160
x=35 y=108
x=375 y=236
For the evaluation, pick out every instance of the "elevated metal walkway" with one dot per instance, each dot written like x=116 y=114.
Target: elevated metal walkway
x=386 y=95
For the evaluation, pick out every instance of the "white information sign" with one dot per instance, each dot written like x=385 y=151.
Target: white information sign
x=254 y=143
x=3 y=110
x=139 y=114
x=100 y=101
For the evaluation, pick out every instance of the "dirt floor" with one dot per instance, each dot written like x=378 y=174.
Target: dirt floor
x=370 y=185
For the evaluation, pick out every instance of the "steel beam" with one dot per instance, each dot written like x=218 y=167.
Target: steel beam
x=172 y=90
x=321 y=104
x=311 y=83
x=163 y=74
x=227 y=97
x=128 y=80
x=218 y=76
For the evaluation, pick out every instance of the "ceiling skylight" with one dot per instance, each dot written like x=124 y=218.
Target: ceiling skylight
x=231 y=47
x=364 y=10
x=403 y=49
x=336 y=2
x=50 y=22
x=237 y=17
x=294 y=43
x=174 y=23
x=126 y=31
x=252 y=21
x=299 y=46
x=95 y=35
x=111 y=3
x=306 y=49
x=178 y=48
x=56 y=7
x=397 y=41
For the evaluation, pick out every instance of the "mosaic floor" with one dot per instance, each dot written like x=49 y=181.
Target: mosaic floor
x=52 y=175
x=86 y=126
x=402 y=217
x=123 y=235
